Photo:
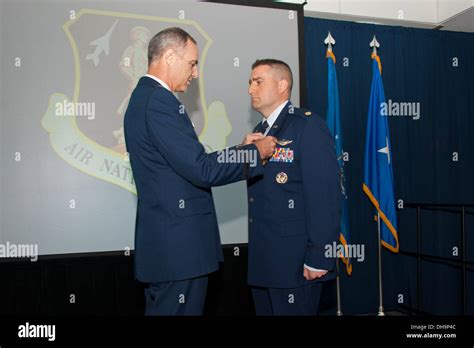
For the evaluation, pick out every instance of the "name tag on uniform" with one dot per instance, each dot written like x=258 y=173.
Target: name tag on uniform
x=282 y=154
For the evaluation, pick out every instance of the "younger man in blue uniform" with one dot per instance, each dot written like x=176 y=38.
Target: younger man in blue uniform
x=294 y=207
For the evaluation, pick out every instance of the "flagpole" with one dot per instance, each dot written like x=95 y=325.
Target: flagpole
x=338 y=290
x=375 y=44
x=381 y=311
x=329 y=41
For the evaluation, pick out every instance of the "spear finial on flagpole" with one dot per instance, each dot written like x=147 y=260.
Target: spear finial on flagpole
x=329 y=41
x=374 y=44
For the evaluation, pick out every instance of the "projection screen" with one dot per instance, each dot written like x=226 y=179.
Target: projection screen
x=66 y=183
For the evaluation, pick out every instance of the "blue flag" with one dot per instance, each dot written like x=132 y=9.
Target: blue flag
x=334 y=125
x=378 y=173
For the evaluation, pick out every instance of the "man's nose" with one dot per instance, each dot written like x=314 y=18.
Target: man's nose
x=195 y=72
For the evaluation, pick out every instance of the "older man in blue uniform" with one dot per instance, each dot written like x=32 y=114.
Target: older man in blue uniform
x=294 y=207
x=177 y=238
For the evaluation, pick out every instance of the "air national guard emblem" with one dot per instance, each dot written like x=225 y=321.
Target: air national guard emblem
x=95 y=144
x=281 y=178
x=282 y=154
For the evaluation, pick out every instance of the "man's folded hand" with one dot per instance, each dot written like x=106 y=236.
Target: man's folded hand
x=266 y=146
x=251 y=137
x=311 y=275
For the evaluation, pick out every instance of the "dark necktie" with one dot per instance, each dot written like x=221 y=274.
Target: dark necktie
x=262 y=127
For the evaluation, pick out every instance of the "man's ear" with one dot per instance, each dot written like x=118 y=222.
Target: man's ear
x=169 y=56
x=283 y=86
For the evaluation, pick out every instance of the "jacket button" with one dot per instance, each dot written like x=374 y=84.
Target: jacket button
x=250 y=220
x=251 y=199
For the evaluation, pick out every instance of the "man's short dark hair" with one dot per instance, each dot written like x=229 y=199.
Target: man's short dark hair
x=173 y=37
x=277 y=64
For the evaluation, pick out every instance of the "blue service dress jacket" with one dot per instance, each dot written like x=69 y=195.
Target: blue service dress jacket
x=176 y=235
x=294 y=207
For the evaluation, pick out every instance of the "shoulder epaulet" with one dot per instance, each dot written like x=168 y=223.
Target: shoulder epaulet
x=304 y=113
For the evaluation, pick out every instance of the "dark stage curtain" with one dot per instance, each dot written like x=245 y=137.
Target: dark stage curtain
x=417 y=66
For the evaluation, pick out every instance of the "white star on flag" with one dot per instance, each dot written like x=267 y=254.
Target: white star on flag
x=385 y=150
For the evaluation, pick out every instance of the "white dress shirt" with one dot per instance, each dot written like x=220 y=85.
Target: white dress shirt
x=273 y=116
x=159 y=81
